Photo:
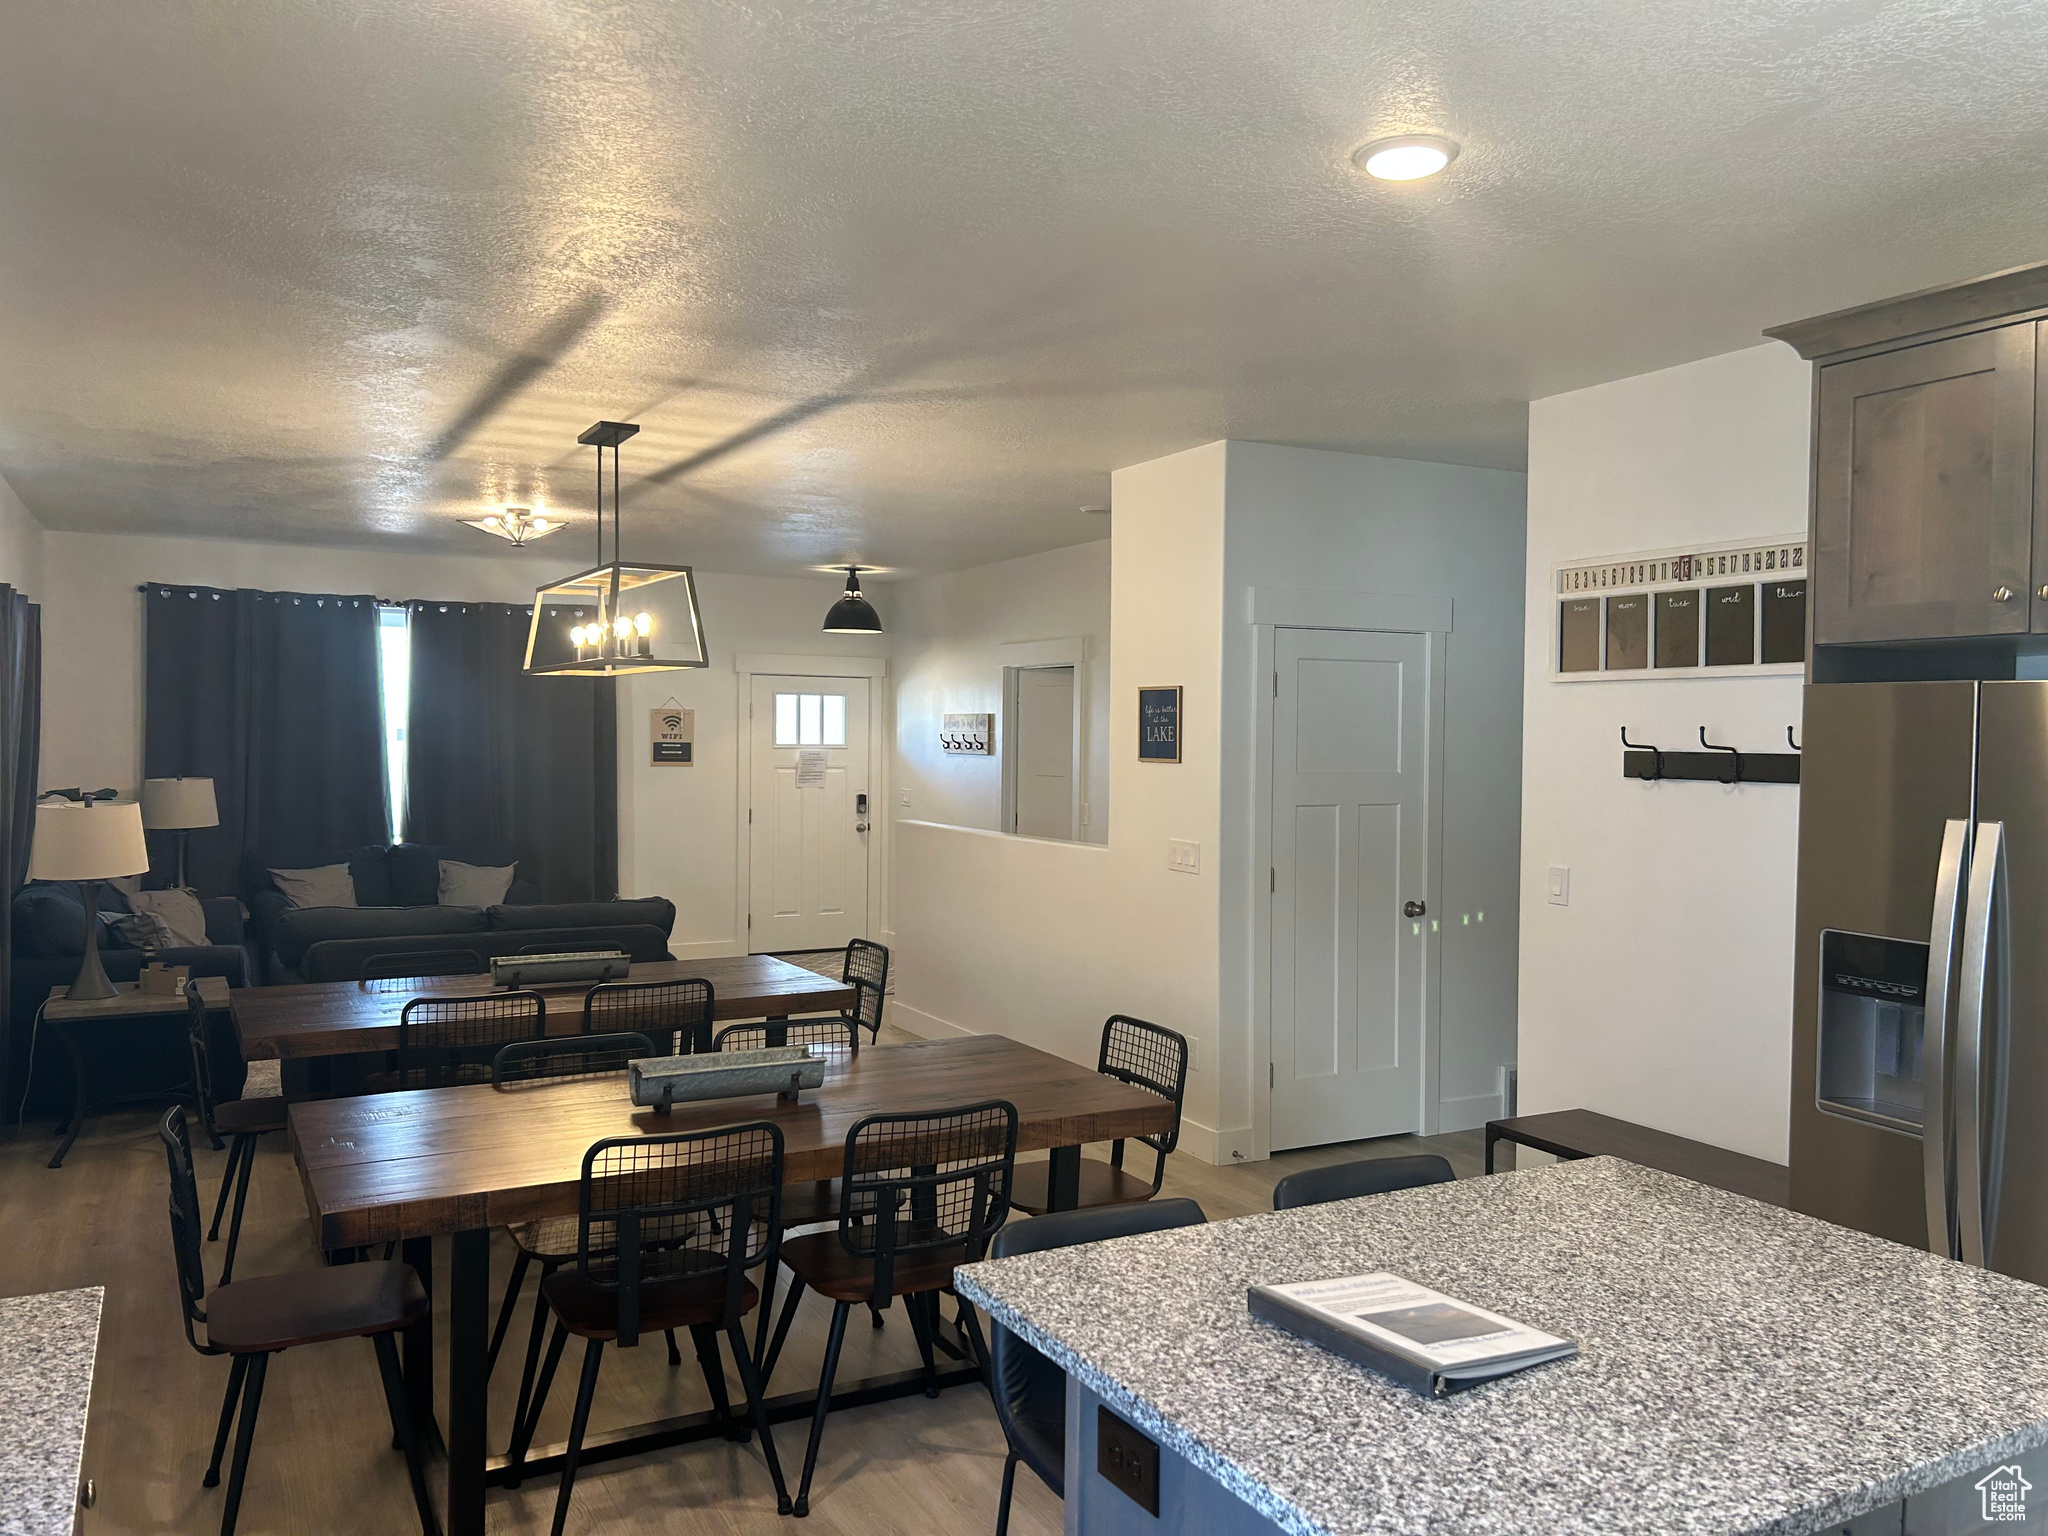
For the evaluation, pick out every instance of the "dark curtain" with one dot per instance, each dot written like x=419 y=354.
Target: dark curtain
x=275 y=697
x=500 y=759
x=21 y=720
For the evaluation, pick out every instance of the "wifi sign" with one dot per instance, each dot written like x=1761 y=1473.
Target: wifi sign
x=672 y=733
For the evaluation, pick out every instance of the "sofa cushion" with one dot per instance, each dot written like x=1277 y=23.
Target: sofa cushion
x=331 y=885
x=416 y=868
x=474 y=885
x=163 y=919
x=305 y=926
x=368 y=866
x=342 y=959
x=645 y=911
x=48 y=920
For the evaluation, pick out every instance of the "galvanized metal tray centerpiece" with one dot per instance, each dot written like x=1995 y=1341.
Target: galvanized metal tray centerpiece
x=660 y=1081
x=569 y=966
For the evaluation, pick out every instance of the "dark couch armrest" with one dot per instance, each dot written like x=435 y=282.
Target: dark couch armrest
x=228 y=961
x=223 y=919
x=521 y=893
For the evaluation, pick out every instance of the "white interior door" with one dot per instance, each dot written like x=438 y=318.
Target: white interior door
x=1350 y=829
x=807 y=837
x=1042 y=744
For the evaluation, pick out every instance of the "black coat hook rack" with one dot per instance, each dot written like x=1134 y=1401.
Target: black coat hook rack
x=1717 y=764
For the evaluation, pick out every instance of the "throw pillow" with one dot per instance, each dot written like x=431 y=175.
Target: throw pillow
x=331 y=885
x=179 y=913
x=474 y=885
x=139 y=930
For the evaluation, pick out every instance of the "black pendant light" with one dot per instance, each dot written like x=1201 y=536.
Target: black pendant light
x=853 y=614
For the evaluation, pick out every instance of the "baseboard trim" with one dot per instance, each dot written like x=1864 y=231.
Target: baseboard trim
x=927 y=1026
x=1467 y=1114
x=1219 y=1149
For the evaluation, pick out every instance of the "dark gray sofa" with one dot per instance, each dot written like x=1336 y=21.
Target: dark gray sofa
x=331 y=943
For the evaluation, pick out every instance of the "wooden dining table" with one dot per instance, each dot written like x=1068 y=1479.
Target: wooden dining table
x=416 y=1165
x=353 y=1018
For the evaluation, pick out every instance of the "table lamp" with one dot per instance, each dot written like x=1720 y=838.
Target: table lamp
x=88 y=843
x=179 y=805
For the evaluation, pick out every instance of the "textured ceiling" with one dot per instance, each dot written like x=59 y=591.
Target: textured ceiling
x=903 y=282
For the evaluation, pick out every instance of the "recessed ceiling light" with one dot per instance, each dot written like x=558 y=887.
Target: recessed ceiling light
x=1410 y=157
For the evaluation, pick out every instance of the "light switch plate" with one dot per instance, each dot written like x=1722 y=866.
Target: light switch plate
x=1559 y=890
x=1183 y=856
x=903 y=799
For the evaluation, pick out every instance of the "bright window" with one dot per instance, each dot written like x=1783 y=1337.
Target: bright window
x=810 y=719
x=394 y=671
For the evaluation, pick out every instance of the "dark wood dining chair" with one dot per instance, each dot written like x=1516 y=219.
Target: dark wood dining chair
x=251 y=1320
x=1147 y=1056
x=392 y=972
x=447 y=1041
x=550 y=1241
x=675 y=1015
x=921 y=1193
x=1031 y=1391
x=241 y=1120
x=668 y=1228
x=1368 y=1176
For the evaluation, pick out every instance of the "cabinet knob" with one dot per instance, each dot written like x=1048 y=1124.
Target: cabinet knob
x=2001 y=594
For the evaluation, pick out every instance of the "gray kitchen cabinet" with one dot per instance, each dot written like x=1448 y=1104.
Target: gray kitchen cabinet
x=1923 y=514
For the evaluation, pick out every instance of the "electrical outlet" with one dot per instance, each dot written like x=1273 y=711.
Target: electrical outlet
x=1558 y=891
x=1128 y=1459
x=1183 y=857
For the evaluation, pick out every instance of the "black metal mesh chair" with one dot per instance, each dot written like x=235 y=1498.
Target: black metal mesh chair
x=675 y=1015
x=1030 y=1390
x=867 y=972
x=921 y=1194
x=1368 y=1176
x=551 y=1241
x=834 y=1037
x=1146 y=1056
x=396 y=972
x=244 y=1120
x=445 y=1041
x=251 y=1320
x=667 y=1229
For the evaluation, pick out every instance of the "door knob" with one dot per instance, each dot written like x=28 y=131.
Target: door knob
x=1414 y=908
x=2042 y=591
x=860 y=826
x=2001 y=594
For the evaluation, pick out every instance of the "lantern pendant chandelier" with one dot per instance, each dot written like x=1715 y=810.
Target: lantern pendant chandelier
x=618 y=617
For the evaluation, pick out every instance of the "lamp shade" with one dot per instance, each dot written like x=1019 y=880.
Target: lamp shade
x=178 y=805
x=853 y=614
x=88 y=842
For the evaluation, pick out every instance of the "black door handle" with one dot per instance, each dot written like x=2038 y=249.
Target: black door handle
x=1414 y=908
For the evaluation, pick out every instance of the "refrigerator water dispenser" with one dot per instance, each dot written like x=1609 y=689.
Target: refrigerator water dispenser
x=1873 y=996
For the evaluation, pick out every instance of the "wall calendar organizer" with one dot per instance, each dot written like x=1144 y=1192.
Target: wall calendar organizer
x=1706 y=611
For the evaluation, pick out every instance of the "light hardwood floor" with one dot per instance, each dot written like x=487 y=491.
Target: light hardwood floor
x=322 y=1460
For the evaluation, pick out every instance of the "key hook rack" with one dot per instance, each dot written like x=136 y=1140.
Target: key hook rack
x=1717 y=764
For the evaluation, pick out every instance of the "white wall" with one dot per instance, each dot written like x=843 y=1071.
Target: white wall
x=945 y=630
x=1663 y=993
x=1347 y=523
x=1042 y=941
x=21 y=545
x=678 y=827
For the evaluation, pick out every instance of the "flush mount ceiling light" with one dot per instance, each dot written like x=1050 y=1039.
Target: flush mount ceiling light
x=853 y=614
x=619 y=617
x=1410 y=157
x=516 y=524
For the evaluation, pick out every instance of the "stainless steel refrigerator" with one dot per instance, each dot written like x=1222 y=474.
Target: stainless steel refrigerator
x=1920 y=1042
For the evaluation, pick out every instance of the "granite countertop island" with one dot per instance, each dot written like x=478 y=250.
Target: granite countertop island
x=1742 y=1368
x=47 y=1345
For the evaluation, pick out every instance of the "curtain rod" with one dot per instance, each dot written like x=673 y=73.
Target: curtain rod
x=381 y=602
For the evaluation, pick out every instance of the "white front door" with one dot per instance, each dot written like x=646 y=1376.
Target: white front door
x=1042 y=751
x=1350 y=827
x=808 y=847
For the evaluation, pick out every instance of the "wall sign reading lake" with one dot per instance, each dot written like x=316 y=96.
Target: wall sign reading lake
x=1159 y=725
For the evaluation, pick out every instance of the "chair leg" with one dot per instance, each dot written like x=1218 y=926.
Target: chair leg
x=586 y=1389
x=768 y=1279
x=705 y=1337
x=921 y=1326
x=248 y=1146
x=227 y=1418
x=796 y=1294
x=534 y=1341
x=1009 y=1488
x=875 y=1311
x=227 y=1178
x=838 y=1337
x=520 y=1261
x=401 y=1424
x=675 y=1355
x=971 y=1326
x=522 y=1437
x=757 y=1406
x=245 y=1435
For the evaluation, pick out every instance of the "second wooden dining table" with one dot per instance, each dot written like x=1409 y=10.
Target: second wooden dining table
x=457 y=1162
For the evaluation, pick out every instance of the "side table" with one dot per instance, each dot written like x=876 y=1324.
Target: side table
x=68 y=1020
